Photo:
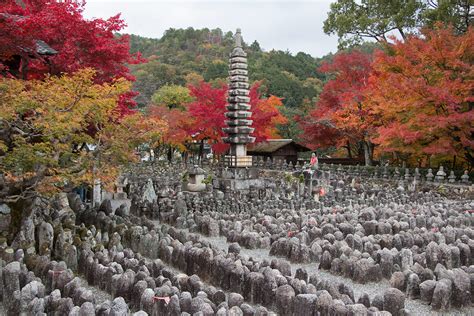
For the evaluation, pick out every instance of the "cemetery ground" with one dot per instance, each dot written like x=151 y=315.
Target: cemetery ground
x=334 y=241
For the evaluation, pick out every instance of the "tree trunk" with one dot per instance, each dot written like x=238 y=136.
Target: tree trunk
x=367 y=158
x=18 y=211
x=371 y=151
x=201 y=149
x=349 y=152
x=360 y=150
x=170 y=153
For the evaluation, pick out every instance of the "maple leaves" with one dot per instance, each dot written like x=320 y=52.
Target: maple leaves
x=45 y=139
x=79 y=43
x=202 y=119
x=208 y=110
x=341 y=117
x=414 y=98
x=422 y=91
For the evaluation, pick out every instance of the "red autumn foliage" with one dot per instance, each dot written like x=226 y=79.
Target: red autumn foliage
x=79 y=43
x=340 y=115
x=422 y=91
x=208 y=109
x=180 y=124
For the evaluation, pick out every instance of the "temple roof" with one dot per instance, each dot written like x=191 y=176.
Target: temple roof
x=44 y=49
x=272 y=145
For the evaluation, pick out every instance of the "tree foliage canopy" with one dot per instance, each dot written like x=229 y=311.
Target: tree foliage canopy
x=172 y=96
x=79 y=43
x=63 y=131
x=422 y=91
x=353 y=21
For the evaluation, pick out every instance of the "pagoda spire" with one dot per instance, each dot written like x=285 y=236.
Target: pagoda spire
x=239 y=124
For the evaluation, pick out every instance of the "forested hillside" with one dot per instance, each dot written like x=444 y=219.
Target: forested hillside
x=189 y=55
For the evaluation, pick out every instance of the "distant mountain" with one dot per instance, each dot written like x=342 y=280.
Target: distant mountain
x=184 y=56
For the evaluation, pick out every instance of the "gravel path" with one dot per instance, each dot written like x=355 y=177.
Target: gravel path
x=175 y=270
x=416 y=307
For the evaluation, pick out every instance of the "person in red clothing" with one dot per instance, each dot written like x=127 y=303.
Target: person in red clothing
x=314 y=161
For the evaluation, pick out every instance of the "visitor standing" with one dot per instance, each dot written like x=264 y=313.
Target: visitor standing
x=314 y=161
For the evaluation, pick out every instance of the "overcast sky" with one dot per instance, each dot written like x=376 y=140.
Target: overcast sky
x=294 y=25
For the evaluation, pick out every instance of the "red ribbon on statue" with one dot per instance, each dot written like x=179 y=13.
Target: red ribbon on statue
x=162 y=298
x=292 y=233
x=322 y=192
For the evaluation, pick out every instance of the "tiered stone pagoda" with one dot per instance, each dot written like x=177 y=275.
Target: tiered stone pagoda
x=239 y=122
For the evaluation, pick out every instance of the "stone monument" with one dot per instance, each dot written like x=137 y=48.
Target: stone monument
x=195 y=181
x=238 y=173
x=238 y=128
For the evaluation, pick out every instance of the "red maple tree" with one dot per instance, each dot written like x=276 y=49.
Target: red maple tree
x=422 y=91
x=208 y=109
x=180 y=125
x=340 y=117
x=79 y=43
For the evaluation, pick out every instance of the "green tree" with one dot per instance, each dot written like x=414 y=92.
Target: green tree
x=151 y=76
x=172 y=96
x=216 y=69
x=458 y=13
x=353 y=21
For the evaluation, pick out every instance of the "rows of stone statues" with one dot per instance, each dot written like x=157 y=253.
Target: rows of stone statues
x=302 y=242
x=439 y=175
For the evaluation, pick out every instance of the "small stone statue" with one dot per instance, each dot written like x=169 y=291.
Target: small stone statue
x=452 y=177
x=429 y=175
x=396 y=174
x=440 y=175
x=407 y=174
x=45 y=238
x=417 y=174
x=465 y=177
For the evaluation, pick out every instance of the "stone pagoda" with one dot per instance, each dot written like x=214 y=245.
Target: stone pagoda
x=239 y=124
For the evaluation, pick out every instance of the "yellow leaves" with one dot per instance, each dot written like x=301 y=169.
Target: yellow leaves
x=66 y=130
x=172 y=96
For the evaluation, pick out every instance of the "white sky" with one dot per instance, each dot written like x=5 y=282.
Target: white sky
x=294 y=25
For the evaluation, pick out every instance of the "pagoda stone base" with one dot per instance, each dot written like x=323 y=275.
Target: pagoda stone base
x=238 y=161
x=238 y=179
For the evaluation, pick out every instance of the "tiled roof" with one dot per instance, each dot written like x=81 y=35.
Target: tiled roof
x=44 y=49
x=272 y=145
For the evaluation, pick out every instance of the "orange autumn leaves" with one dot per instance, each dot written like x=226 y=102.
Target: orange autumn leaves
x=422 y=90
x=413 y=97
x=63 y=131
x=203 y=117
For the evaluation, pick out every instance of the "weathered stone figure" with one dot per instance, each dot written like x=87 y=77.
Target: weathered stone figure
x=149 y=194
x=45 y=238
x=239 y=123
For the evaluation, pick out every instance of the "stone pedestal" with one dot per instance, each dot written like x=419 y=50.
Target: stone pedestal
x=238 y=179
